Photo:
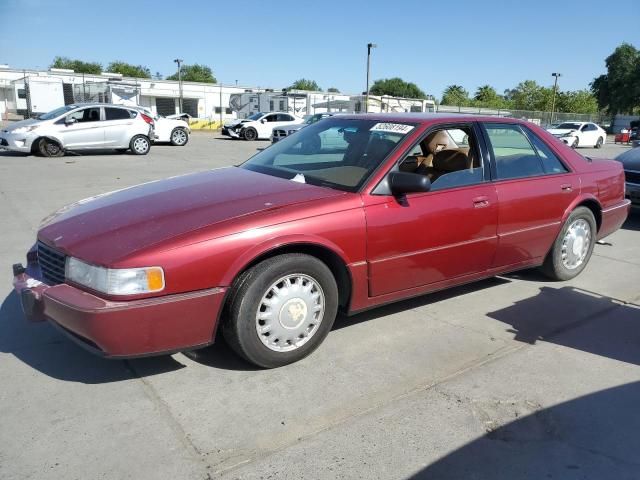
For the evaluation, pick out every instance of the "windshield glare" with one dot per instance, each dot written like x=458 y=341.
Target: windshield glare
x=56 y=113
x=255 y=116
x=334 y=152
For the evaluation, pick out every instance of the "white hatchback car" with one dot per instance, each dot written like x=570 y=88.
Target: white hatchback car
x=259 y=125
x=580 y=134
x=81 y=127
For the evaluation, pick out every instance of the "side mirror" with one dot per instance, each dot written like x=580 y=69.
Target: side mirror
x=405 y=182
x=70 y=121
x=264 y=120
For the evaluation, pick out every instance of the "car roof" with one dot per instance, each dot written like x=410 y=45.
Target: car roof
x=96 y=104
x=430 y=117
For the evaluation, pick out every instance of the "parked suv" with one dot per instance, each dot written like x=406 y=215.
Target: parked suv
x=259 y=125
x=81 y=127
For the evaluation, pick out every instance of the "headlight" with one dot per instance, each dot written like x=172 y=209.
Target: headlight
x=572 y=133
x=24 y=129
x=115 y=281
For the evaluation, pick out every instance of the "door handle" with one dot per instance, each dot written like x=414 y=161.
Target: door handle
x=480 y=202
x=566 y=187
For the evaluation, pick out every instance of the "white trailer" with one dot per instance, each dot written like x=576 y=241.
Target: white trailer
x=40 y=94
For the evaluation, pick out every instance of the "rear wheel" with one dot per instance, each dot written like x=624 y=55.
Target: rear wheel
x=50 y=148
x=250 y=134
x=599 y=142
x=573 y=248
x=281 y=310
x=179 y=137
x=140 y=145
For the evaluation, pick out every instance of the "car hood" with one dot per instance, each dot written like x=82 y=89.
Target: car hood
x=630 y=159
x=561 y=131
x=292 y=126
x=21 y=123
x=109 y=227
x=233 y=123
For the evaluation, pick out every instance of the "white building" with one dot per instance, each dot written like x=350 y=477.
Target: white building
x=41 y=91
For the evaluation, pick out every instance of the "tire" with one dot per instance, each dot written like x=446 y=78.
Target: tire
x=575 y=143
x=250 y=134
x=50 y=148
x=599 y=142
x=140 y=145
x=179 y=137
x=580 y=224
x=293 y=285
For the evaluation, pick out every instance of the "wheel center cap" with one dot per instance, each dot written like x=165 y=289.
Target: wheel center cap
x=293 y=313
x=578 y=244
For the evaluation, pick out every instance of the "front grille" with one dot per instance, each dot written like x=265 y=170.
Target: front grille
x=51 y=263
x=279 y=133
x=632 y=177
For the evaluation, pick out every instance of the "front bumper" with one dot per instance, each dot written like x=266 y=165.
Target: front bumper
x=16 y=143
x=568 y=140
x=230 y=132
x=121 y=329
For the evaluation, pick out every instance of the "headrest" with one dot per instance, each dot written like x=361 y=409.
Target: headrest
x=438 y=141
x=450 y=161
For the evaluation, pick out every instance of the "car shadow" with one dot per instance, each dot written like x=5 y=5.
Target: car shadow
x=594 y=436
x=633 y=220
x=9 y=153
x=44 y=348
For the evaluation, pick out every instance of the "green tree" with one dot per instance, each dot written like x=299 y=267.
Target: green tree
x=333 y=90
x=528 y=95
x=195 y=73
x=619 y=90
x=77 y=66
x=579 y=101
x=455 y=95
x=304 y=84
x=396 y=87
x=128 y=70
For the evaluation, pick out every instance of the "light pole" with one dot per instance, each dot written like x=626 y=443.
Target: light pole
x=179 y=62
x=369 y=47
x=555 y=89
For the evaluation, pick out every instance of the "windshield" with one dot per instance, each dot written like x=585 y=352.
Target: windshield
x=57 y=112
x=255 y=116
x=334 y=152
x=569 y=126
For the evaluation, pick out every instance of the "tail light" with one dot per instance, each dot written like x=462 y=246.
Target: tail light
x=147 y=118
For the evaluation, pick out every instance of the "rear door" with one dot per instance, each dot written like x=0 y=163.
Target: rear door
x=87 y=130
x=534 y=189
x=117 y=126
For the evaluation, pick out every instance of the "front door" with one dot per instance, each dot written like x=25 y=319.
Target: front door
x=85 y=132
x=447 y=233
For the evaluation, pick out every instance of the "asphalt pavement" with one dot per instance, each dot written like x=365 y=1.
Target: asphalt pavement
x=510 y=378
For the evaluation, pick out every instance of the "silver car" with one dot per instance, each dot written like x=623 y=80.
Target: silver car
x=631 y=164
x=81 y=127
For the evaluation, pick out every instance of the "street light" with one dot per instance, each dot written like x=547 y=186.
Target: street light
x=369 y=47
x=179 y=62
x=555 y=89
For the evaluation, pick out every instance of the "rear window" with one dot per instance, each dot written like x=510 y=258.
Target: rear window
x=117 y=113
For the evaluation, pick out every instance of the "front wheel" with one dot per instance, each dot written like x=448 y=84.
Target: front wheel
x=599 y=142
x=281 y=310
x=50 y=148
x=179 y=137
x=250 y=134
x=140 y=145
x=573 y=248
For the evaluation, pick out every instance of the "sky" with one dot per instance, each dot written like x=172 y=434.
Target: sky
x=272 y=43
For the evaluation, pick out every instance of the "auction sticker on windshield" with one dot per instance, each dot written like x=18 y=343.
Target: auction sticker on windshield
x=392 y=128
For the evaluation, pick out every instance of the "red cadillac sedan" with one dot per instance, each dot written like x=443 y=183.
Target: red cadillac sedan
x=350 y=213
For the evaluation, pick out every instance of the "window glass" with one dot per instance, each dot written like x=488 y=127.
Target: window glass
x=550 y=161
x=22 y=93
x=513 y=154
x=336 y=153
x=281 y=117
x=86 y=115
x=447 y=157
x=271 y=118
x=116 y=113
